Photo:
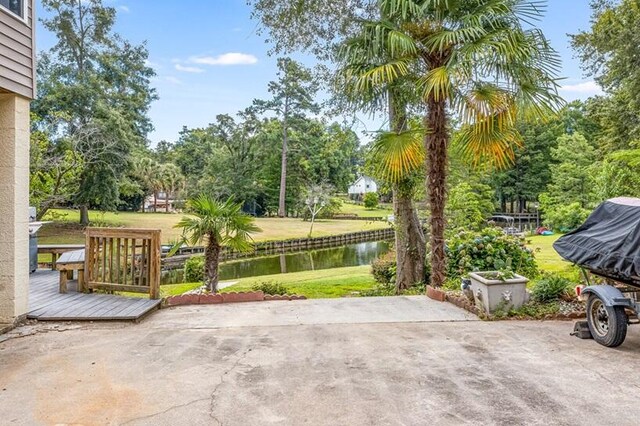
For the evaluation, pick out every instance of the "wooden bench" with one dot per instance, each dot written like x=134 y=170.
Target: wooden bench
x=55 y=250
x=67 y=263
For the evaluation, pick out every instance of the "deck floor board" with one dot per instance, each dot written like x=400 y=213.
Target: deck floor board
x=47 y=304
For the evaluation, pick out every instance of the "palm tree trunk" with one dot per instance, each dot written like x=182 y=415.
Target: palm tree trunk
x=211 y=261
x=436 y=145
x=155 y=201
x=409 y=241
x=409 y=238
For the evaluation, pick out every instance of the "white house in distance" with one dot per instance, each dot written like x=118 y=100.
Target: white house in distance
x=364 y=184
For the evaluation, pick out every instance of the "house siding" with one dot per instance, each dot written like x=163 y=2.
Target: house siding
x=17 y=53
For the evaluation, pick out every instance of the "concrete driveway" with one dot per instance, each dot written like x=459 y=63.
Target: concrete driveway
x=390 y=361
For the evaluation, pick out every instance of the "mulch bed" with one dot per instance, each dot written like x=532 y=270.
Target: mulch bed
x=569 y=310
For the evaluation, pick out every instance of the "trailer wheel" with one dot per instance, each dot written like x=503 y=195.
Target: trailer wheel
x=608 y=324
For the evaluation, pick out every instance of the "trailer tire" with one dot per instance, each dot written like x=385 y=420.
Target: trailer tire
x=608 y=324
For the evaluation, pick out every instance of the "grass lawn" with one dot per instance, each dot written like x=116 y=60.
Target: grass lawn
x=326 y=283
x=65 y=229
x=343 y=281
x=361 y=211
x=548 y=259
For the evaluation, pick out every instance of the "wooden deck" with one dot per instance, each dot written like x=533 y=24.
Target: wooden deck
x=46 y=303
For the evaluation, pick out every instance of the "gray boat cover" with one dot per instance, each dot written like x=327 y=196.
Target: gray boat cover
x=608 y=243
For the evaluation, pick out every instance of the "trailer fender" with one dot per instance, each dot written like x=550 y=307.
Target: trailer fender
x=610 y=296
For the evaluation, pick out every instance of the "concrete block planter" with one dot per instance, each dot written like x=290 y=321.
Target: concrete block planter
x=492 y=293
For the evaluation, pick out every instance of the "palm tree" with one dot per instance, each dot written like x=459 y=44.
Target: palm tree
x=394 y=157
x=148 y=171
x=397 y=157
x=219 y=224
x=472 y=58
x=171 y=178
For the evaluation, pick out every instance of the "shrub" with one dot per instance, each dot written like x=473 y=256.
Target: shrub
x=489 y=249
x=549 y=288
x=384 y=268
x=371 y=200
x=332 y=208
x=194 y=269
x=469 y=206
x=270 y=287
x=565 y=217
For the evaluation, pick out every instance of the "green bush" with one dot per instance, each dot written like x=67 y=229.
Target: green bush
x=487 y=250
x=194 y=269
x=384 y=268
x=332 y=208
x=550 y=287
x=565 y=217
x=469 y=206
x=270 y=287
x=370 y=200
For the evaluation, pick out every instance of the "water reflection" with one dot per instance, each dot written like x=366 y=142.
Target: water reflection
x=337 y=257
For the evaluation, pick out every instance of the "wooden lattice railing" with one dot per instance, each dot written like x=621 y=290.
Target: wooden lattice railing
x=123 y=260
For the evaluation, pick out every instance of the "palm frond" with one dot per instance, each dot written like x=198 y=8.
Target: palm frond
x=492 y=145
x=380 y=75
x=396 y=155
x=436 y=83
x=222 y=221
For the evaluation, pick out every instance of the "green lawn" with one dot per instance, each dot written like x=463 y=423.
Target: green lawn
x=326 y=283
x=352 y=208
x=66 y=231
x=340 y=282
x=548 y=259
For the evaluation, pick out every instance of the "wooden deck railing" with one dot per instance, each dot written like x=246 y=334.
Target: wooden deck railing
x=123 y=260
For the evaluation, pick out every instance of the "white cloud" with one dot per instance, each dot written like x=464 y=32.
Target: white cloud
x=225 y=59
x=124 y=8
x=585 y=87
x=194 y=70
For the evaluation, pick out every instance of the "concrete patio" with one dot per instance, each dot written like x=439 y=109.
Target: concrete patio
x=394 y=361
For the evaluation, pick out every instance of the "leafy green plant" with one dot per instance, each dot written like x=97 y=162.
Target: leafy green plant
x=389 y=289
x=469 y=206
x=371 y=200
x=332 y=208
x=565 y=217
x=194 y=269
x=384 y=269
x=499 y=275
x=550 y=287
x=270 y=287
x=488 y=250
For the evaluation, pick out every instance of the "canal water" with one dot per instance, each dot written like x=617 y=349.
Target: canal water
x=337 y=257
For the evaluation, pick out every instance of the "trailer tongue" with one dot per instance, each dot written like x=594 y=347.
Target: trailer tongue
x=608 y=245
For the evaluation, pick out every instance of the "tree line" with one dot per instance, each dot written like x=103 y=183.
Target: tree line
x=90 y=126
x=468 y=91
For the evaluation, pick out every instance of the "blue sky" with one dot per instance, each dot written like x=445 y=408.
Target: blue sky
x=210 y=61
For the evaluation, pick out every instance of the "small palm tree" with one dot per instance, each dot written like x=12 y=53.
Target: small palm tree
x=219 y=224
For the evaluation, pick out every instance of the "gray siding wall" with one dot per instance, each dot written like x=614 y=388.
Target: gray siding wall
x=17 y=53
